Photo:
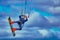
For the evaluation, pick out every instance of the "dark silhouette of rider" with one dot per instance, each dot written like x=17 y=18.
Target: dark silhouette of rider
x=22 y=20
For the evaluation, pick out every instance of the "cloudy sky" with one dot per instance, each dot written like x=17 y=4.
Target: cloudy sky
x=44 y=20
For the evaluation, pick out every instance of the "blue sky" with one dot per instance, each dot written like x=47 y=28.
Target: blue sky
x=44 y=21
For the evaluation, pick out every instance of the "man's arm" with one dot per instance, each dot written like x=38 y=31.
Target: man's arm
x=26 y=19
x=28 y=15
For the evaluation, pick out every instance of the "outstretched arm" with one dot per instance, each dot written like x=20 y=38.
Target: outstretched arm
x=28 y=15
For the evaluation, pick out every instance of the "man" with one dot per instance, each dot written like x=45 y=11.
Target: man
x=22 y=20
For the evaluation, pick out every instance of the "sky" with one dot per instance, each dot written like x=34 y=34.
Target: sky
x=44 y=20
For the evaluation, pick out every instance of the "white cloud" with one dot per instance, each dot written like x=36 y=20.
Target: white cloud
x=47 y=33
x=55 y=31
x=15 y=1
x=33 y=17
x=52 y=19
x=56 y=1
x=54 y=9
x=44 y=33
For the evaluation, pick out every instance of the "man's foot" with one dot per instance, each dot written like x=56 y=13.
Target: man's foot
x=19 y=29
x=13 y=29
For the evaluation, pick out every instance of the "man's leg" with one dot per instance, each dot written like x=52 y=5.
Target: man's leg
x=20 y=26
x=12 y=22
x=14 y=29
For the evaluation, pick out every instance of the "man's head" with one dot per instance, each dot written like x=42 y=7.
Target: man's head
x=22 y=16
